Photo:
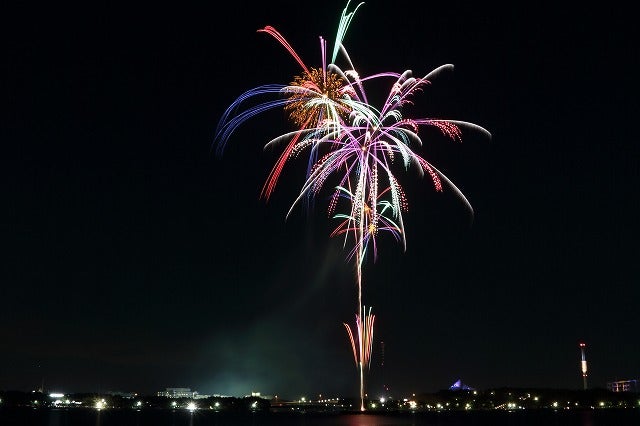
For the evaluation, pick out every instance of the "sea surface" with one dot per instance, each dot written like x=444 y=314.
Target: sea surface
x=159 y=417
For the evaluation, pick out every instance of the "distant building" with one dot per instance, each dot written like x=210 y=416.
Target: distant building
x=623 y=386
x=259 y=395
x=128 y=395
x=458 y=385
x=178 y=393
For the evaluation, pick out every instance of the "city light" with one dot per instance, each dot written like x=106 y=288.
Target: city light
x=457 y=401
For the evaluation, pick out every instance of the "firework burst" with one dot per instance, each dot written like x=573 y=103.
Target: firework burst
x=355 y=144
x=318 y=102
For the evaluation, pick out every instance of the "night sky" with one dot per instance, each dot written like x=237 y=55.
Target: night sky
x=135 y=259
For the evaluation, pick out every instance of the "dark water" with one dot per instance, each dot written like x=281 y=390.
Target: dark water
x=150 y=417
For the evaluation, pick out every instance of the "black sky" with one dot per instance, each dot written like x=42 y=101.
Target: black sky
x=134 y=259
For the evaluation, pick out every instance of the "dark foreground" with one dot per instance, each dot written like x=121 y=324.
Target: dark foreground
x=25 y=416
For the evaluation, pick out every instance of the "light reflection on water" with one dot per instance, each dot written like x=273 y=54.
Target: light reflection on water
x=587 y=418
x=376 y=420
x=115 y=417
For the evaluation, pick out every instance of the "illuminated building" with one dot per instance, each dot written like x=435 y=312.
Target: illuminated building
x=178 y=393
x=623 y=386
x=458 y=385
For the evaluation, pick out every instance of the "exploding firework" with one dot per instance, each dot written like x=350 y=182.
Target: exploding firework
x=353 y=143
x=363 y=156
x=318 y=102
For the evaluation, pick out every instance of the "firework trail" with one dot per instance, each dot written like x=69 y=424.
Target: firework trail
x=362 y=345
x=354 y=143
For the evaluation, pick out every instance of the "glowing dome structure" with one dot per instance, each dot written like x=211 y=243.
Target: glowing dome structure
x=458 y=385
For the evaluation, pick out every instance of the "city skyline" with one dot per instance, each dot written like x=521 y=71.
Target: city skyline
x=617 y=385
x=135 y=258
x=629 y=388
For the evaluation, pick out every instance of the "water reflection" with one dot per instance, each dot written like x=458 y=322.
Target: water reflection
x=587 y=418
x=58 y=418
x=92 y=417
x=378 y=420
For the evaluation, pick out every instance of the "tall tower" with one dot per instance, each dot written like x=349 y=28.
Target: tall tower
x=583 y=366
x=383 y=378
